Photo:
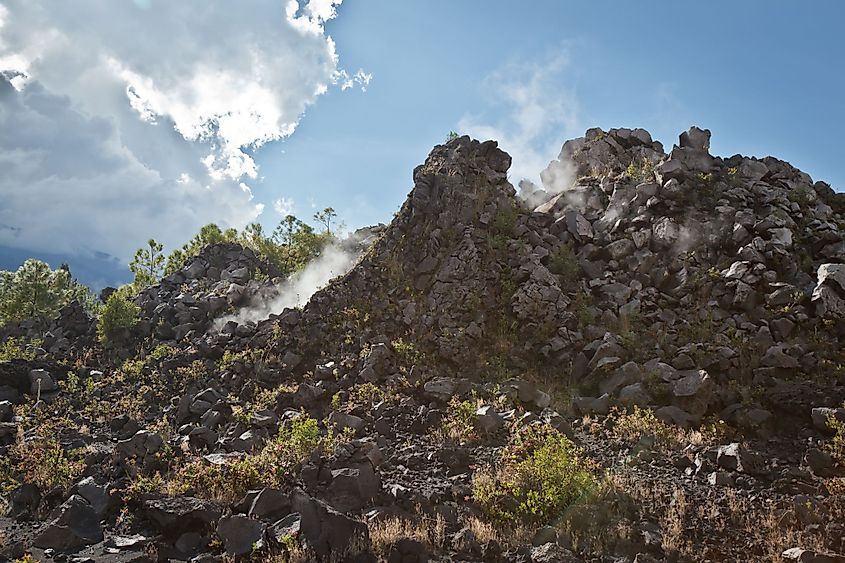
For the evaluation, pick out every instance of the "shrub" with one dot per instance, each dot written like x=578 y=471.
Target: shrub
x=564 y=263
x=642 y=172
x=12 y=349
x=45 y=464
x=119 y=312
x=8 y=482
x=540 y=475
x=459 y=423
x=161 y=352
x=504 y=222
x=631 y=426
x=407 y=351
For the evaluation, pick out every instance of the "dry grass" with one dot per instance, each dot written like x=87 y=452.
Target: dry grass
x=631 y=426
x=601 y=521
x=424 y=529
x=673 y=522
x=724 y=524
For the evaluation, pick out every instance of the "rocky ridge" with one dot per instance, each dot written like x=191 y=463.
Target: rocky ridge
x=707 y=291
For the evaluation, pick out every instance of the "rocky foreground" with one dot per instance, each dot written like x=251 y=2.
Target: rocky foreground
x=640 y=361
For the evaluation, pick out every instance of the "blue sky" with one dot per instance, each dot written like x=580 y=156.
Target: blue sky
x=764 y=77
x=764 y=80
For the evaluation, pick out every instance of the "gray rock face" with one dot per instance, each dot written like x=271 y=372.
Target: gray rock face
x=41 y=382
x=96 y=494
x=142 y=445
x=443 y=388
x=240 y=534
x=407 y=550
x=6 y=411
x=268 y=504
x=487 y=420
x=286 y=528
x=175 y=515
x=696 y=138
x=341 y=421
x=74 y=524
x=829 y=293
x=593 y=405
x=553 y=553
x=326 y=530
x=694 y=392
x=800 y=555
x=352 y=488
x=735 y=457
x=526 y=393
x=822 y=416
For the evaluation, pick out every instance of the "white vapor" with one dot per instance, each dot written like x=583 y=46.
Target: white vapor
x=539 y=111
x=297 y=290
x=122 y=120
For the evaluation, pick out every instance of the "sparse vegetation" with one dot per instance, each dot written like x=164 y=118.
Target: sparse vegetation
x=43 y=462
x=407 y=351
x=642 y=171
x=270 y=467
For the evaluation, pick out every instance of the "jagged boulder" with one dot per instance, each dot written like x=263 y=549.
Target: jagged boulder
x=829 y=293
x=240 y=534
x=73 y=524
x=328 y=531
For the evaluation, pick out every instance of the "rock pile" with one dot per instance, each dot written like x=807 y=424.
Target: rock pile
x=706 y=292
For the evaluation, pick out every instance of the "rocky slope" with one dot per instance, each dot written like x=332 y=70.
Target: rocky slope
x=680 y=317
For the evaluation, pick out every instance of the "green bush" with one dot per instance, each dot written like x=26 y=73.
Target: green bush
x=564 y=263
x=11 y=349
x=504 y=222
x=540 y=475
x=119 y=312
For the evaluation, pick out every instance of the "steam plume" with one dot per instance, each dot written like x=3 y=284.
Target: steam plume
x=298 y=289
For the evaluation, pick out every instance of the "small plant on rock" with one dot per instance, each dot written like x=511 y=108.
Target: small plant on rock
x=44 y=463
x=564 y=263
x=836 y=445
x=407 y=351
x=632 y=425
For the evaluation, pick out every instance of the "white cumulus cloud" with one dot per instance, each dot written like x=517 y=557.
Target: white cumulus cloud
x=283 y=206
x=124 y=120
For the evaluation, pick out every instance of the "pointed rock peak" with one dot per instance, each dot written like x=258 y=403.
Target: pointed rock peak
x=695 y=138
